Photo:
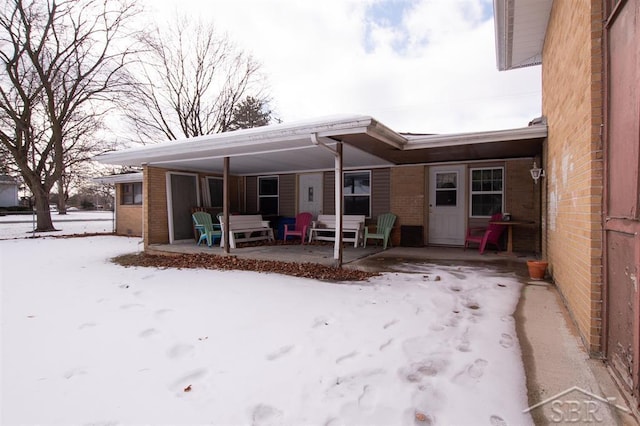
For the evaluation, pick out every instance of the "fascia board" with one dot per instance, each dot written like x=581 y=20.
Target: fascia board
x=476 y=137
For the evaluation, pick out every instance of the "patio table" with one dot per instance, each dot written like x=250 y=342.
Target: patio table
x=510 y=224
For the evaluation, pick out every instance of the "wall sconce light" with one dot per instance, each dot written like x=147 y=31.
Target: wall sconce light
x=536 y=172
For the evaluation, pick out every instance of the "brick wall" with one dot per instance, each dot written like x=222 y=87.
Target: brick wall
x=154 y=189
x=408 y=192
x=522 y=200
x=571 y=101
x=128 y=217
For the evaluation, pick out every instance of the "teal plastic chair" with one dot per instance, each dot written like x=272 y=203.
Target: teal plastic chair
x=383 y=229
x=209 y=231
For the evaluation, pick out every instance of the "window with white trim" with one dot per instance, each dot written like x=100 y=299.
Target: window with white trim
x=487 y=191
x=268 y=195
x=357 y=193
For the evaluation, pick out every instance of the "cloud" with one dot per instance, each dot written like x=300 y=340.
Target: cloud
x=422 y=66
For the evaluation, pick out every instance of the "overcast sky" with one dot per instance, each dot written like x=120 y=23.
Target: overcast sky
x=420 y=66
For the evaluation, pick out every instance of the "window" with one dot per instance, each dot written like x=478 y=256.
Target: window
x=486 y=191
x=216 y=188
x=357 y=193
x=447 y=189
x=268 y=195
x=132 y=193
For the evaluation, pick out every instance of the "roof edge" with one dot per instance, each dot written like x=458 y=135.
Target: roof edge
x=530 y=132
x=120 y=178
x=325 y=125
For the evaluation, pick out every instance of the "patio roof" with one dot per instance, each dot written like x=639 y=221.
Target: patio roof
x=520 y=28
x=293 y=147
x=120 y=178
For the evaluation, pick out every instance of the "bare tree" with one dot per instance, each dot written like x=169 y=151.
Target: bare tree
x=189 y=82
x=63 y=63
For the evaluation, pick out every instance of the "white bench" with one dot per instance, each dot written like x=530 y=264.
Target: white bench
x=324 y=228
x=244 y=228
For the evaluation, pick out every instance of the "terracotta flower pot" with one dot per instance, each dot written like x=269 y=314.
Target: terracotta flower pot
x=537 y=269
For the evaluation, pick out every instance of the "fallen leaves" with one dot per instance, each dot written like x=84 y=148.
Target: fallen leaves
x=226 y=263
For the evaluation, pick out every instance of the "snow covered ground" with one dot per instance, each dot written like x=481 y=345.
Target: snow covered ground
x=85 y=341
x=74 y=222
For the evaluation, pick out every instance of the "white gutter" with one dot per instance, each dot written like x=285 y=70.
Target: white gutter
x=122 y=178
x=245 y=138
x=432 y=141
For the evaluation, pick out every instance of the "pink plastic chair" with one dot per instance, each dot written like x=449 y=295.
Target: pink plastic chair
x=485 y=236
x=299 y=229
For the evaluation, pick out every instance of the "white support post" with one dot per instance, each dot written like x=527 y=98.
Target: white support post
x=337 y=248
x=225 y=204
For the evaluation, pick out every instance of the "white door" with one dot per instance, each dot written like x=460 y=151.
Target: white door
x=447 y=205
x=310 y=193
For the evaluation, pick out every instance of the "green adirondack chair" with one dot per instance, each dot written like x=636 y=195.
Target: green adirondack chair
x=208 y=231
x=383 y=229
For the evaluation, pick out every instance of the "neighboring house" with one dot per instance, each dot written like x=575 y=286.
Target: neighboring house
x=8 y=191
x=127 y=202
x=590 y=56
x=437 y=185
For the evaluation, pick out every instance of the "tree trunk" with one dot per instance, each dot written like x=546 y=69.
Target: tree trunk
x=43 y=214
x=62 y=197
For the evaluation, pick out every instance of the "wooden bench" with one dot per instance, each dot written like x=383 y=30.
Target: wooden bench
x=324 y=228
x=245 y=228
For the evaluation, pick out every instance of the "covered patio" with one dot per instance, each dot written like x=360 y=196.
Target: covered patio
x=397 y=167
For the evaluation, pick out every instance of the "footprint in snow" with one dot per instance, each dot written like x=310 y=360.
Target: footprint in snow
x=180 y=351
x=506 y=341
x=149 y=332
x=472 y=372
x=390 y=323
x=320 y=321
x=190 y=378
x=74 y=372
x=161 y=313
x=425 y=403
x=87 y=325
x=497 y=421
x=130 y=306
x=507 y=318
x=428 y=368
x=279 y=353
x=263 y=414
x=459 y=275
x=346 y=357
x=464 y=345
x=367 y=398
x=476 y=369
x=385 y=345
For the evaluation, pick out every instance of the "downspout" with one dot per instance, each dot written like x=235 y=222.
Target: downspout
x=337 y=153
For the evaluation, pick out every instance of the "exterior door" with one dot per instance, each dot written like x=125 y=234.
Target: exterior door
x=447 y=205
x=622 y=216
x=182 y=196
x=310 y=193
